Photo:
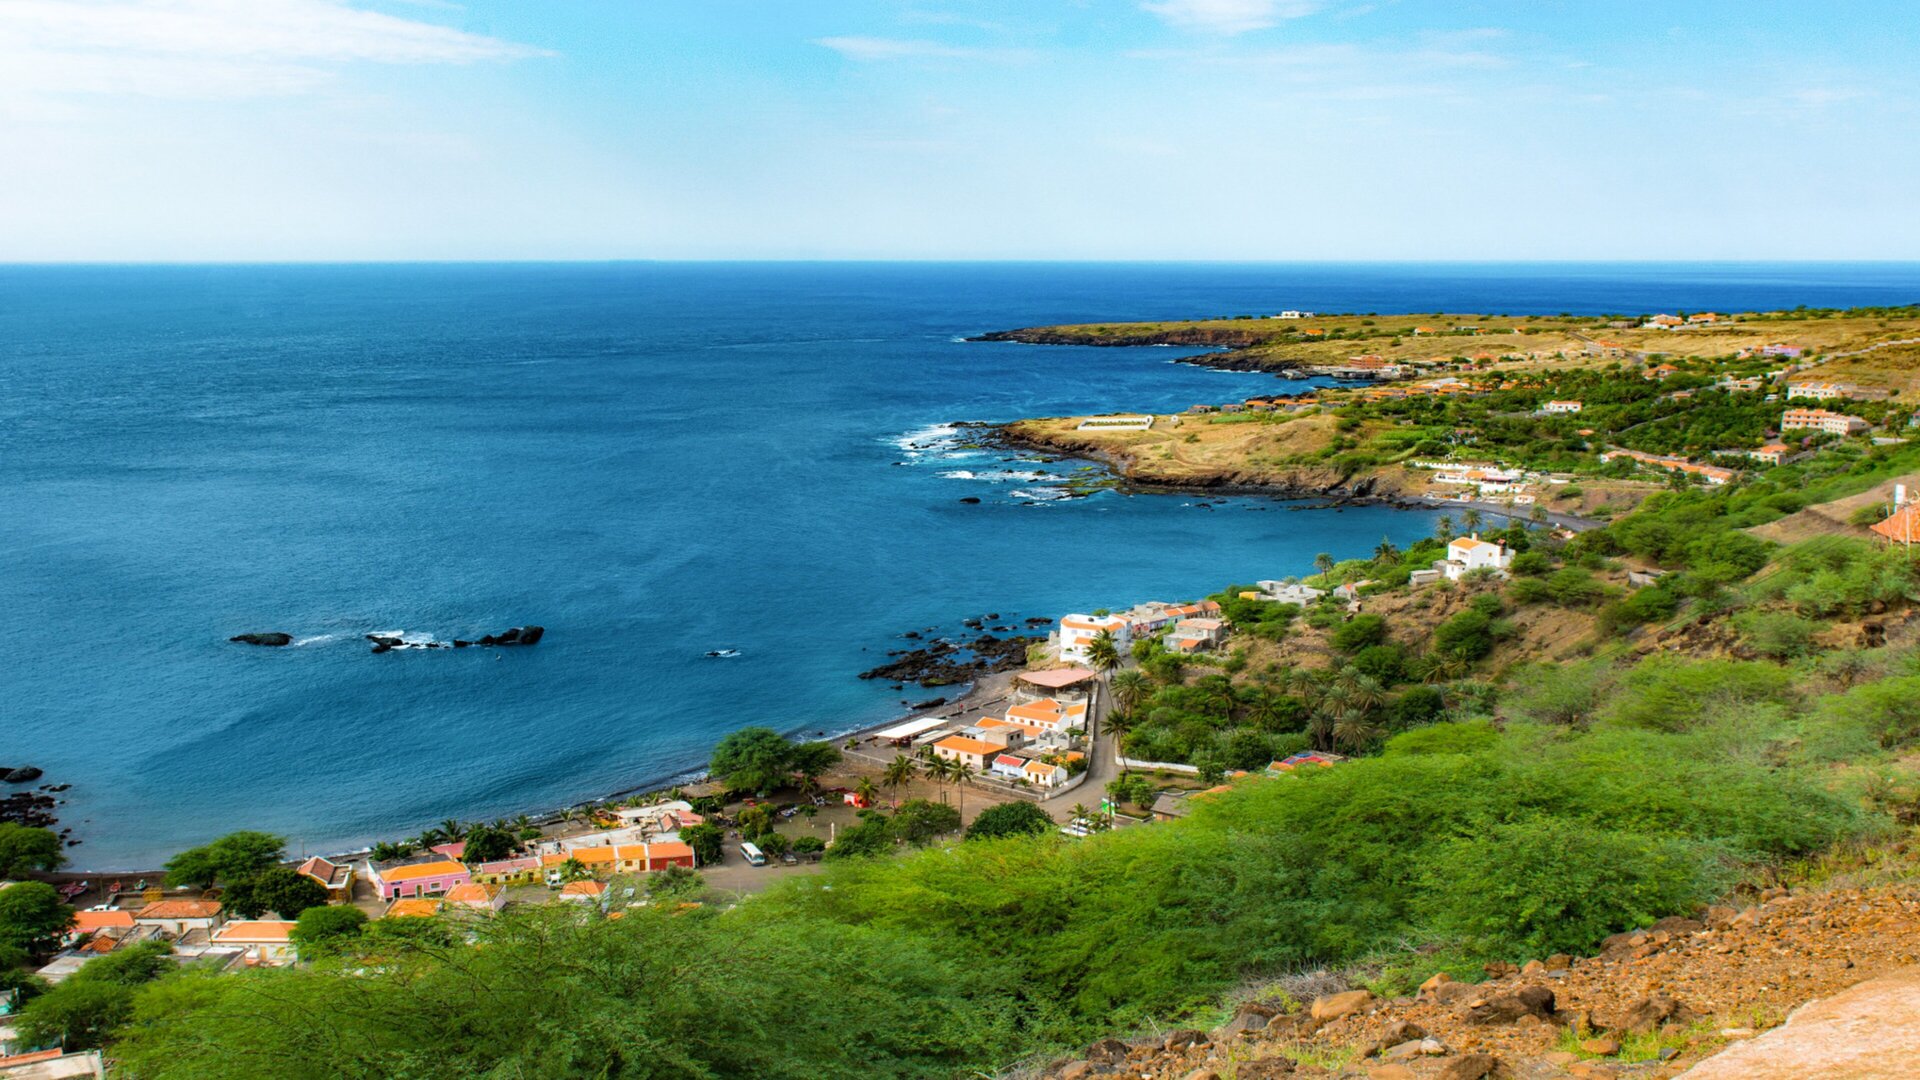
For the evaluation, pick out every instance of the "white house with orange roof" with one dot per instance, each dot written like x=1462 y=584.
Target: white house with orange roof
x=1078 y=631
x=177 y=917
x=1832 y=423
x=260 y=941
x=1050 y=714
x=1197 y=635
x=976 y=754
x=1469 y=553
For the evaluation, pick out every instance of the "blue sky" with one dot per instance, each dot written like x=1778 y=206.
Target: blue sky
x=1049 y=129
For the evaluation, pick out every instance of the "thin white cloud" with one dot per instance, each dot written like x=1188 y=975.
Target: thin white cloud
x=215 y=48
x=874 y=49
x=1228 y=17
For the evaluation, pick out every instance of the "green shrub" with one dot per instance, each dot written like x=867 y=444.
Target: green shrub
x=1359 y=632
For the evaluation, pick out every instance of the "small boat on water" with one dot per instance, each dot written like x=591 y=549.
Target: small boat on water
x=722 y=654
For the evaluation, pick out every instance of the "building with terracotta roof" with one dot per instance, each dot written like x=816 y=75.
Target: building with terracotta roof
x=1469 y=553
x=179 y=917
x=1771 y=454
x=420 y=875
x=586 y=892
x=93 y=922
x=1196 y=635
x=414 y=907
x=1832 y=423
x=1079 y=631
x=974 y=753
x=1902 y=527
x=508 y=871
x=260 y=941
x=1049 y=714
x=337 y=878
x=476 y=896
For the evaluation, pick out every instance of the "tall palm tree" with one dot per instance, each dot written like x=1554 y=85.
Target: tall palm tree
x=1444 y=527
x=962 y=775
x=1362 y=693
x=1323 y=562
x=900 y=772
x=1470 y=518
x=865 y=791
x=1118 y=725
x=1128 y=687
x=1385 y=551
x=454 y=830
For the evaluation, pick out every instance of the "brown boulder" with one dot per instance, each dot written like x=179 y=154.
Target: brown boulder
x=1335 y=1006
x=1250 y=1016
x=1675 y=924
x=1184 y=1039
x=1650 y=1012
x=1265 y=1068
x=1392 y=1072
x=1398 y=1033
x=1470 y=1067
x=1604 y=1046
x=1075 y=1070
x=1452 y=993
x=1534 y=1001
x=1559 y=962
x=1435 y=981
x=1108 y=1052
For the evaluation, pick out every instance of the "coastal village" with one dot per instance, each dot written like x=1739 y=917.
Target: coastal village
x=1136 y=716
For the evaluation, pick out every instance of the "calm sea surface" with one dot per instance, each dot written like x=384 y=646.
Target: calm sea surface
x=652 y=461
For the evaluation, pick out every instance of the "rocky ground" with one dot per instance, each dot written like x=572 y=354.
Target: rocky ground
x=1651 y=1004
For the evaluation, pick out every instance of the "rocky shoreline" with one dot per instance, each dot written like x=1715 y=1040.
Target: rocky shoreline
x=1236 y=345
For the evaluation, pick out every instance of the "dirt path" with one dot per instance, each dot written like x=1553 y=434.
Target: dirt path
x=1870 y=1032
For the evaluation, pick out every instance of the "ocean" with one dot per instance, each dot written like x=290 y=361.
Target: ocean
x=653 y=461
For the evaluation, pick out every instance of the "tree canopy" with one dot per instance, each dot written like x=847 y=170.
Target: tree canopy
x=24 y=849
x=233 y=856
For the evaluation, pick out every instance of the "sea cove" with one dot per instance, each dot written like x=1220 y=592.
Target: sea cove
x=651 y=461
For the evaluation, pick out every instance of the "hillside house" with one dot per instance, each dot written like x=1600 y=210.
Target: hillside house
x=1078 y=631
x=1197 y=635
x=1281 y=592
x=1832 y=423
x=1560 y=408
x=1469 y=553
x=476 y=896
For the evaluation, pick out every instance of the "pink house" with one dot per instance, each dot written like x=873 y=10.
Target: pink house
x=421 y=875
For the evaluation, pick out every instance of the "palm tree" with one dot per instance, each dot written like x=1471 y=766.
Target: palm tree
x=1103 y=653
x=900 y=772
x=1323 y=562
x=1470 y=518
x=1217 y=692
x=1386 y=552
x=1354 y=733
x=1128 y=688
x=1444 y=527
x=1320 y=729
x=1118 y=725
x=454 y=830
x=1362 y=693
x=962 y=775
x=865 y=791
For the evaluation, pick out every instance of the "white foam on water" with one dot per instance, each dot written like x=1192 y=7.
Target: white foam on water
x=317 y=639
x=1001 y=476
x=1042 y=494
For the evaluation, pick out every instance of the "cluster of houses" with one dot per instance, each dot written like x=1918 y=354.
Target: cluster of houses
x=1674 y=322
x=1712 y=474
x=1189 y=628
x=1033 y=741
x=1829 y=391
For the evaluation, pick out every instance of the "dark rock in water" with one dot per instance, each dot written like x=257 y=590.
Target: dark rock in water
x=945 y=663
x=930 y=703
x=971 y=500
x=272 y=639
x=24 y=775
x=382 y=646
x=511 y=637
x=531 y=635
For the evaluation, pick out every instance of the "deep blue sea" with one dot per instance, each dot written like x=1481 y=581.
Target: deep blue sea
x=652 y=461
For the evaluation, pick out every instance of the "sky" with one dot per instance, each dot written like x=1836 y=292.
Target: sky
x=240 y=130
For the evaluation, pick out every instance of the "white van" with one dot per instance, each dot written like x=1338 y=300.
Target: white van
x=755 y=857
